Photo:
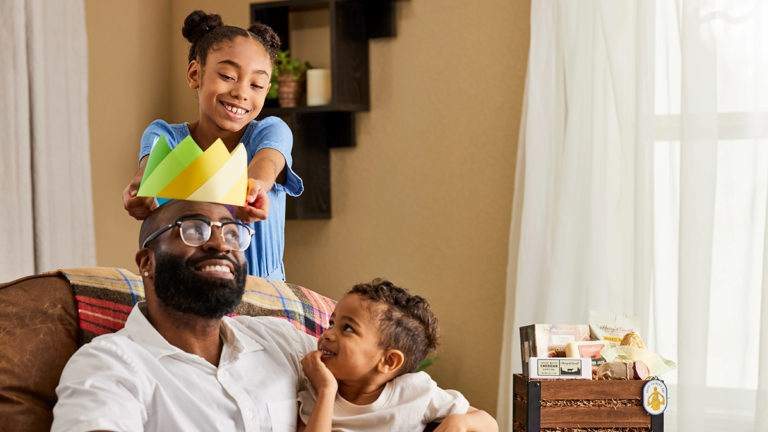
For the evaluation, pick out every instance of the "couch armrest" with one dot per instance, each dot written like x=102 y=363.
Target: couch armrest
x=38 y=334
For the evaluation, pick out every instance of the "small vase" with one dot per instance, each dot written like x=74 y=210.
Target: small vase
x=288 y=91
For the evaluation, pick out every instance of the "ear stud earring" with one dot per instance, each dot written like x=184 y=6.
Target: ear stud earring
x=146 y=273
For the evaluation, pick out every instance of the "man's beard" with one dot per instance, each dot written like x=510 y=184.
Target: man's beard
x=181 y=289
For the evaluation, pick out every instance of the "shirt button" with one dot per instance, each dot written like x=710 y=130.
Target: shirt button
x=249 y=413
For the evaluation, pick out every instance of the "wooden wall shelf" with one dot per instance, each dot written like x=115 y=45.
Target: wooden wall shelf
x=317 y=129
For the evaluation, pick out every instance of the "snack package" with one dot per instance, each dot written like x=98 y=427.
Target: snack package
x=549 y=340
x=610 y=326
x=588 y=349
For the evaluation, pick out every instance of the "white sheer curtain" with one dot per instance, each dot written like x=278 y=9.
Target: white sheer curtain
x=641 y=188
x=581 y=223
x=45 y=180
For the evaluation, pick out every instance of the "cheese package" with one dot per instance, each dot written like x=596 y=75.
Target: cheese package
x=560 y=367
x=549 y=340
x=588 y=349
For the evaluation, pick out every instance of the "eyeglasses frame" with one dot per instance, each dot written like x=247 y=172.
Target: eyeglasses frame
x=211 y=224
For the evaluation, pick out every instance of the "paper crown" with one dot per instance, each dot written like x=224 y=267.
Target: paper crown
x=188 y=173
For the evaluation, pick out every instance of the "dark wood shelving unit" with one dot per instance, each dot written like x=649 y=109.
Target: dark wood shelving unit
x=317 y=129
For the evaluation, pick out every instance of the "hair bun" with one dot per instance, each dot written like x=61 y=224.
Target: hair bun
x=268 y=38
x=198 y=23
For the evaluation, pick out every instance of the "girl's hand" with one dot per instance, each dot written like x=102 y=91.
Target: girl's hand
x=257 y=203
x=138 y=207
x=319 y=375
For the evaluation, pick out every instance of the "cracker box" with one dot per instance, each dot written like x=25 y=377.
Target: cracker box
x=549 y=340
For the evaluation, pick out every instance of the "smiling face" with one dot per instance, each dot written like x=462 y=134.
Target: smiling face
x=231 y=86
x=350 y=346
x=207 y=281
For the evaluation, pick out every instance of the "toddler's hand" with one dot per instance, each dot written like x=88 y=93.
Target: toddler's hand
x=138 y=207
x=257 y=203
x=319 y=375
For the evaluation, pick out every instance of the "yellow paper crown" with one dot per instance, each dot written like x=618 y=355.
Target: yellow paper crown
x=188 y=173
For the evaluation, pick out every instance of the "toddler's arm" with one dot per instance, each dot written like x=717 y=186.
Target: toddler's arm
x=473 y=420
x=265 y=168
x=326 y=386
x=138 y=207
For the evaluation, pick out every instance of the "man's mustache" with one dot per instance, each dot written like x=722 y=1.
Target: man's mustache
x=193 y=262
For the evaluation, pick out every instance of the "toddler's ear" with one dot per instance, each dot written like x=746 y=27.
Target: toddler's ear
x=391 y=361
x=193 y=74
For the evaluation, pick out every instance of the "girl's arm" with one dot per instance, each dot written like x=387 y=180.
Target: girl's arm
x=473 y=420
x=138 y=207
x=326 y=387
x=266 y=167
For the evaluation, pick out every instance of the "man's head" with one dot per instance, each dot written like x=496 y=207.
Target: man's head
x=190 y=256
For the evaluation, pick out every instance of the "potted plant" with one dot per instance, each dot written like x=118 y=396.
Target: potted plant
x=288 y=79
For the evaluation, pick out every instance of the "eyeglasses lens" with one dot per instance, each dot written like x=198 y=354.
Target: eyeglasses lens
x=196 y=232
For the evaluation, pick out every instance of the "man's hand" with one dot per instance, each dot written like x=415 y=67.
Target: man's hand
x=138 y=207
x=257 y=203
x=319 y=375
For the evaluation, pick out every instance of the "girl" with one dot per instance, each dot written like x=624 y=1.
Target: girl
x=230 y=68
x=362 y=370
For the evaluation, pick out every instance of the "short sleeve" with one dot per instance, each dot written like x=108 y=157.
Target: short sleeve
x=306 y=399
x=151 y=134
x=98 y=391
x=274 y=133
x=443 y=403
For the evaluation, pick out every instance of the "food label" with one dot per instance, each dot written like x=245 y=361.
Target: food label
x=546 y=367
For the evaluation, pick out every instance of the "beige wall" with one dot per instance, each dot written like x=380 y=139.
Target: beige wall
x=425 y=197
x=128 y=46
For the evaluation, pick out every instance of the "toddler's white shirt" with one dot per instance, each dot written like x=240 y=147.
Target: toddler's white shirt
x=408 y=403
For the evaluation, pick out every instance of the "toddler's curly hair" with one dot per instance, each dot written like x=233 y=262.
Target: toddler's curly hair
x=406 y=323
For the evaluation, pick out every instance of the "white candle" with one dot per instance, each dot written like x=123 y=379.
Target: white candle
x=318 y=87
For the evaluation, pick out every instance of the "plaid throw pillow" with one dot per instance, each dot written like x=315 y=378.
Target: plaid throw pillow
x=105 y=297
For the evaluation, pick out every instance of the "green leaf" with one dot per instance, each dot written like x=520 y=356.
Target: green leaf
x=426 y=363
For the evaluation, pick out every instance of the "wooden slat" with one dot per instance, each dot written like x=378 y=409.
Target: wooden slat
x=559 y=389
x=520 y=384
x=520 y=411
x=625 y=416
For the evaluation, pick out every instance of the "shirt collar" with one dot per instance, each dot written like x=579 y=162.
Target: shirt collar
x=140 y=330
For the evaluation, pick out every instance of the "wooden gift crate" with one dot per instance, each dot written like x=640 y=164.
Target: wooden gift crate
x=574 y=405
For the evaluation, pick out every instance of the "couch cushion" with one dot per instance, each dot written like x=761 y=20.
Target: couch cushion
x=105 y=297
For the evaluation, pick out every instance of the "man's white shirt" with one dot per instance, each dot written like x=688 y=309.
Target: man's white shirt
x=134 y=380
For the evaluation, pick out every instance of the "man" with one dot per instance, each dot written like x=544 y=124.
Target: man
x=180 y=363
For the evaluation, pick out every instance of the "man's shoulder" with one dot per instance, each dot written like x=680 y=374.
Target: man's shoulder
x=263 y=325
x=273 y=331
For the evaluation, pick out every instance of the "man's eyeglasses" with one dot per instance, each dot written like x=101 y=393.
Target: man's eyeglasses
x=195 y=232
